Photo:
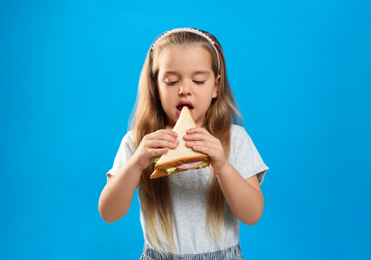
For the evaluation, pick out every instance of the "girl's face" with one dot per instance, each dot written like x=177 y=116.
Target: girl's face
x=185 y=78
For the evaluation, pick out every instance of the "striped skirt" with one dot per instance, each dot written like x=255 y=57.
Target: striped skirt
x=232 y=253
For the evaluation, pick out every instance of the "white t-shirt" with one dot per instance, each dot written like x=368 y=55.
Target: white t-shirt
x=188 y=196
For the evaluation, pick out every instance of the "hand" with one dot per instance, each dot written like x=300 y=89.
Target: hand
x=200 y=140
x=154 y=144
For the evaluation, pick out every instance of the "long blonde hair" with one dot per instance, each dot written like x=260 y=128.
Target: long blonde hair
x=149 y=117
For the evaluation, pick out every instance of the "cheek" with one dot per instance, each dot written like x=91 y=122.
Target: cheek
x=210 y=92
x=166 y=91
x=166 y=96
x=161 y=92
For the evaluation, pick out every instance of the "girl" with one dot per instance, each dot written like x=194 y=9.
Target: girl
x=193 y=214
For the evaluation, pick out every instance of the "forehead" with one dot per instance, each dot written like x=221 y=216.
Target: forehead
x=178 y=58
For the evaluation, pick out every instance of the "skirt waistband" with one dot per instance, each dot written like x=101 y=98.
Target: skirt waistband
x=231 y=253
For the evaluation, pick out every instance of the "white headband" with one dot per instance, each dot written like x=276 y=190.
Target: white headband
x=191 y=30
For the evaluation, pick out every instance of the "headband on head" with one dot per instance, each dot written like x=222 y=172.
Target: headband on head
x=191 y=30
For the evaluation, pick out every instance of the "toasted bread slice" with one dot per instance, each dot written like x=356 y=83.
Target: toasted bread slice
x=181 y=154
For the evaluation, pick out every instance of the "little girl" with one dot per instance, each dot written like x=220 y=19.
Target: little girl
x=194 y=214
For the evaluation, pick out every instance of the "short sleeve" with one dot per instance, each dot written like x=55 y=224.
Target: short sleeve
x=125 y=151
x=244 y=156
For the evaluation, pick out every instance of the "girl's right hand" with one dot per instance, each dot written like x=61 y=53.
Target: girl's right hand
x=154 y=144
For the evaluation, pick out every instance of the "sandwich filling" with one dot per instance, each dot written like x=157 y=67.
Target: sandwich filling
x=185 y=166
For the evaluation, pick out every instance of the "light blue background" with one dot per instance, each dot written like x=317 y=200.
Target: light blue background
x=300 y=71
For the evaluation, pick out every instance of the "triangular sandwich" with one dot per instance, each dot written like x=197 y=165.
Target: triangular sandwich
x=182 y=158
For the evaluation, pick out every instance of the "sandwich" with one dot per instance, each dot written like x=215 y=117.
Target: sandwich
x=182 y=158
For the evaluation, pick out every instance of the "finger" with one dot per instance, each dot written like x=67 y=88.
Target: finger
x=166 y=135
x=167 y=132
x=197 y=130
x=197 y=145
x=159 y=152
x=211 y=152
x=171 y=144
x=200 y=137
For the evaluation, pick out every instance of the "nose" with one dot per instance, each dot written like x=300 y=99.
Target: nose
x=185 y=89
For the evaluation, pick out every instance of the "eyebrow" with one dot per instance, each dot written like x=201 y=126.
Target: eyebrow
x=202 y=72
x=170 y=72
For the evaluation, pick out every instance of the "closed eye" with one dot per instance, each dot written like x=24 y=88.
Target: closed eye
x=171 y=83
x=199 y=82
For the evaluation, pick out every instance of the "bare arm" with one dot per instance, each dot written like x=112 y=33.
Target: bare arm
x=243 y=196
x=116 y=197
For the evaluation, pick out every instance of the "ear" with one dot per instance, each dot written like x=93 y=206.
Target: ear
x=216 y=87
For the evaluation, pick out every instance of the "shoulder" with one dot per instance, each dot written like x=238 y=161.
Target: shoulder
x=238 y=132
x=244 y=156
x=241 y=142
x=129 y=136
x=126 y=150
x=128 y=141
x=237 y=128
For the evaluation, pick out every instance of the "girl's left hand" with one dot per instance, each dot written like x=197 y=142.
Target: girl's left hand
x=200 y=140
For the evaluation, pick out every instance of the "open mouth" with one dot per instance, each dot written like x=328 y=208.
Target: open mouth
x=182 y=104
